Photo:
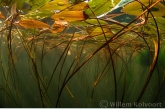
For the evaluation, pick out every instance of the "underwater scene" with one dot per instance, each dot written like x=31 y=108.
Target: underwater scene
x=82 y=53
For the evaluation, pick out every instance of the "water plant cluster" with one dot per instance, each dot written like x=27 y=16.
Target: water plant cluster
x=77 y=53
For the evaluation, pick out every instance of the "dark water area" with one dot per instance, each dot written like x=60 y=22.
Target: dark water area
x=88 y=86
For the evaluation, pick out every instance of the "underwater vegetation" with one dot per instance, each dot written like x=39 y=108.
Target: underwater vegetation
x=76 y=53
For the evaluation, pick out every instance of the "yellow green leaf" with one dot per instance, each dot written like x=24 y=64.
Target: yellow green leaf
x=36 y=4
x=38 y=15
x=55 y=5
x=99 y=7
x=70 y=16
x=159 y=22
x=99 y=31
x=33 y=24
x=79 y=6
x=136 y=8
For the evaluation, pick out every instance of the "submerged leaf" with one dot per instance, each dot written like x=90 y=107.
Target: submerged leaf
x=58 y=26
x=157 y=10
x=70 y=16
x=33 y=24
x=2 y=16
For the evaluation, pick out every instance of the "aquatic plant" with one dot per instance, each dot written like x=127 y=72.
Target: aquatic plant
x=60 y=53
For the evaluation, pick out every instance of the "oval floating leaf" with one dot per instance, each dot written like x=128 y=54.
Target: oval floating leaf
x=36 y=4
x=79 y=6
x=99 y=7
x=33 y=24
x=70 y=16
x=122 y=3
x=157 y=10
x=55 y=5
x=38 y=15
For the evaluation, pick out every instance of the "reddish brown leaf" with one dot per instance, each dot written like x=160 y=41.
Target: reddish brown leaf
x=59 y=23
x=58 y=26
x=1 y=16
x=28 y=23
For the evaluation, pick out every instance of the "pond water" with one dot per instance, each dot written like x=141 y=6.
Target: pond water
x=52 y=74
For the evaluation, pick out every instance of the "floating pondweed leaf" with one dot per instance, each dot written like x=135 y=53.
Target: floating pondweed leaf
x=36 y=4
x=141 y=5
x=122 y=3
x=79 y=6
x=60 y=3
x=58 y=26
x=55 y=5
x=93 y=7
x=160 y=22
x=28 y=23
x=2 y=16
x=70 y=16
x=62 y=18
x=99 y=7
x=38 y=15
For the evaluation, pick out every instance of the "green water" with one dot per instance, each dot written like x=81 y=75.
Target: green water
x=24 y=82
